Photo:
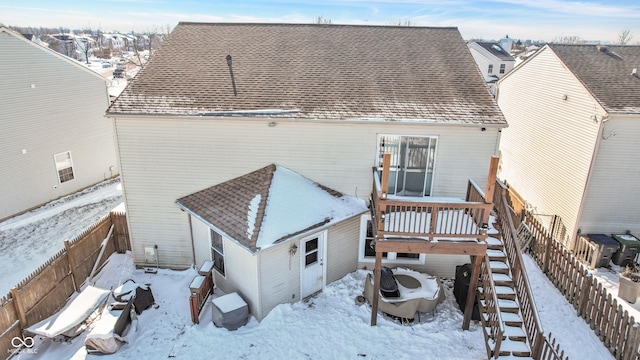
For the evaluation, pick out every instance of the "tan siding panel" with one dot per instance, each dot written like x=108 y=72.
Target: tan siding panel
x=165 y=159
x=49 y=106
x=241 y=269
x=546 y=150
x=201 y=242
x=342 y=248
x=279 y=276
x=612 y=204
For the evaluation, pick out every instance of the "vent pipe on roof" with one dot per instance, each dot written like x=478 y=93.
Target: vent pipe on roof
x=233 y=80
x=634 y=72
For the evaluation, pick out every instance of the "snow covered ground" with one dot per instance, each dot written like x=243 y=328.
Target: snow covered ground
x=30 y=239
x=329 y=326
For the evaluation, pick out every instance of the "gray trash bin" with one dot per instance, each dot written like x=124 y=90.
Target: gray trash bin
x=604 y=248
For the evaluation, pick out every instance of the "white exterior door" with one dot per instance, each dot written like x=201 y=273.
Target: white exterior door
x=312 y=261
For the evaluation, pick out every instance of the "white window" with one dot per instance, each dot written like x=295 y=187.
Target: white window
x=217 y=252
x=412 y=163
x=490 y=69
x=503 y=68
x=64 y=166
x=367 y=251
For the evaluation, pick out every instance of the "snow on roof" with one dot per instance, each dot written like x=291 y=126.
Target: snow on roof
x=296 y=203
x=268 y=206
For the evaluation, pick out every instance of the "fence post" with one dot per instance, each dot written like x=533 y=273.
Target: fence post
x=631 y=346
x=15 y=293
x=547 y=254
x=116 y=242
x=72 y=266
x=584 y=293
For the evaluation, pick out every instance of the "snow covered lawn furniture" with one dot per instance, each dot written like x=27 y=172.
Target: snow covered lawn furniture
x=230 y=311
x=108 y=333
x=68 y=322
x=419 y=292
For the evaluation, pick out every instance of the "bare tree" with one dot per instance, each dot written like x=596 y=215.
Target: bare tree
x=401 y=22
x=624 y=37
x=568 y=39
x=322 y=20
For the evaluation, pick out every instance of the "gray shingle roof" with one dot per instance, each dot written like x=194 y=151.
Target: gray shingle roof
x=606 y=73
x=495 y=49
x=268 y=206
x=312 y=71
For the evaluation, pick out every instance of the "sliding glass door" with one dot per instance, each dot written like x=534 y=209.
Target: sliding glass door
x=412 y=162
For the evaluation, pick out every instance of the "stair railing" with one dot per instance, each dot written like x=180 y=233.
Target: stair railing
x=491 y=307
x=540 y=345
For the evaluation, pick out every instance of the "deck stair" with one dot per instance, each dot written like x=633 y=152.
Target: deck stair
x=509 y=335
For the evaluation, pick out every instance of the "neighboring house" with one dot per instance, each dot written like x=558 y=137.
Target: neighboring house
x=572 y=146
x=204 y=138
x=53 y=133
x=493 y=60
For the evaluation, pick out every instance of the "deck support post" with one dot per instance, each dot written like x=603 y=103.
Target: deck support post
x=476 y=260
x=376 y=288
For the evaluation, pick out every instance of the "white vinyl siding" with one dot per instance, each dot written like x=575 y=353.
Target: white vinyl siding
x=342 y=248
x=279 y=276
x=546 y=151
x=200 y=233
x=241 y=268
x=49 y=105
x=612 y=203
x=165 y=159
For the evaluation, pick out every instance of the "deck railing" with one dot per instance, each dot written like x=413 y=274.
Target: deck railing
x=491 y=318
x=456 y=221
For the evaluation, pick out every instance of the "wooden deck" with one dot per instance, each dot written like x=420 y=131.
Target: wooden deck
x=430 y=226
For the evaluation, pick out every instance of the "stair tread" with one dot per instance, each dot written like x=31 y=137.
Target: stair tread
x=513 y=346
x=510 y=317
x=495 y=253
x=504 y=290
x=501 y=277
x=507 y=304
x=493 y=241
x=514 y=331
x=498 y=265
x=513 y=357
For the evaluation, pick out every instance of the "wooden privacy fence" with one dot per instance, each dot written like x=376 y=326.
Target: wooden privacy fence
x=48 y=288
x=613 y=325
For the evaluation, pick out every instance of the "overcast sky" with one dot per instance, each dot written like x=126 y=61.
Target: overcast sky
x=527 y=19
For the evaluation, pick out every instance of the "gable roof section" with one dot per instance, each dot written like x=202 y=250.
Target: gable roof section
x=268 y=206
x=606 y=72
x=51 y=52
x=495 y=50
x=309 y=71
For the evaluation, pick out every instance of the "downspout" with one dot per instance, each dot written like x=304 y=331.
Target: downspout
x=599 y=137
x=193 y=246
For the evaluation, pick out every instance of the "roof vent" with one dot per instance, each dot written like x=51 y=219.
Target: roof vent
x=602 y=48
x=634 y=72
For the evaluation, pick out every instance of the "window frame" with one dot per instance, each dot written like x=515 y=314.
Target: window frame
x=390 y=258
x=430 y=171
x=503 y=68
x=490 y=69
x=61 y=167
x=219 y=252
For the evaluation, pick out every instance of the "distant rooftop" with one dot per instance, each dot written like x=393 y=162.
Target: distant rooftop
x=495 y=49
